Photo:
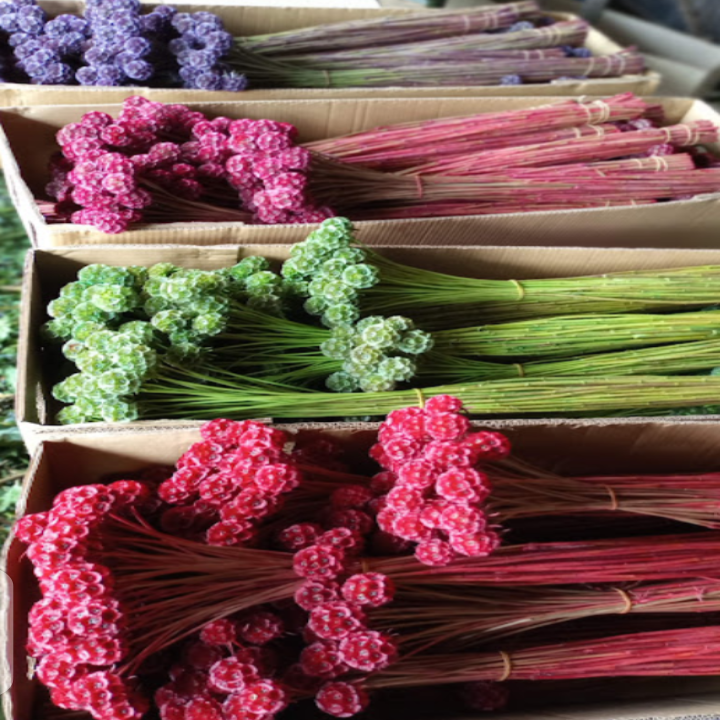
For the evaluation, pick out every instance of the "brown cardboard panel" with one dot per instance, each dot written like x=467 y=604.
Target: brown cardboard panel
x=661 y=447
x=246 y=21
x=643 y=226
x=48 y=270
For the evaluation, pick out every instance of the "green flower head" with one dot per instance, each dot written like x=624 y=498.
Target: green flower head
x=337 y=349
x=268 y=304
x=92 y=362
x=415 y=342
x=106 y=275
x=161 y=270
x=368 y=321
x=89 y=312
x=315 y=305
x=70 y=415
x=73 y=291
x=336 y=291
x=69 y=389
x=113 y=298
x=380 y=335
x=89 y=407
x=170 y=321
x=249 y=266
x=117 y=382
x=209 y=324
x=361 y=276
x=400 y=323
x=397 y=369
x=376 y=382
x=139 y=331
x=333 y=268
x=62 y=307
x=101 y=341
x=296 y=288
x=263 y=282
x=210 y=304
x=350 y=255
x=366 y=356
x=119 y=411
x=83 y=330
x=57 y=331
x=155 y=305
x=137 y=362
x=342 y=382
x=340 y=314
x=72 y=348
x=338 y=224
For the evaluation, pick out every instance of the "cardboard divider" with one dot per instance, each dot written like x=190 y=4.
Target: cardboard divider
x=249 y=20
x=48 y=270
x=28 y=140
x=614 y=448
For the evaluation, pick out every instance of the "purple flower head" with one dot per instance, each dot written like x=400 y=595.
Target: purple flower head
x=511 y=80
x=98 y=55
x=62 y=24
x=138 y=70
x=189 y=76
x=202 y=59
x=232 y=82
x=137 y=47
x=211 y=80
x=127 y=23
x=165 y=11
x=9 y=23
x=522 y=25
x=104 y=34
x=86 y=76
x=219 y=41
x=209 y=18
x=58 y=73
x=31 y=19
x=184 y=23
x=581 y=52
x=110 y=75
x=180 y=45
x=44 y=56
x=20 y=39
x=7 y=7
x=152 y=24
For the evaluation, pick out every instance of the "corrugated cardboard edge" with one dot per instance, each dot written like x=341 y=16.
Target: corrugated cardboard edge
x=638 y=226
x=32 y=393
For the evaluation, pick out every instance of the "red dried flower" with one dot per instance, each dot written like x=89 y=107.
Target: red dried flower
x=341 y=699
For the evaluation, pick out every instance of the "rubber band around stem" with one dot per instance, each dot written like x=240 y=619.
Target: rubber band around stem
x=507 y=666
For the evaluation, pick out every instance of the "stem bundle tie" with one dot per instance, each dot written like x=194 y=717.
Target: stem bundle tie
x=328 y=82
x=520 y=369
x=520 y=288
x=467 y=25
x=420 y=397
x=507 y=666
x=420 y=189
x=602 y=107
x=613 y=497
x=627 y=600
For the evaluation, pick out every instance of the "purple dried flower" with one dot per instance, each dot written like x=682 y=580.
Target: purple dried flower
x=232 y=82
x=138 y=70
x=110 y=75
x=137 y=47
x=522 y=25
x=127 y=23
x=581 y=52
x=219 y=41
x=20 y=39
x=31 y=19
x=9 y=23
x=184 y=23
x=201 y=59
x=511 y=80
x=86 y=76
x=58 y=73
x=211 y=80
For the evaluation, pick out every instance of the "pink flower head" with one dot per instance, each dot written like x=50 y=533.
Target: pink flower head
x=446 y=426
x=382 y=482
x=335 y=620
x=341 y=699
x=299 y=536
x=463 y=485
x=218 y=632
x=264 y=697
x=488 y=446
x=319 y=562
x=260 y=628
x=322 y=659
x=370 y=588
x=314 y=592
x=434 y=552
x=368 y=650
x=349 y=540
x=230 y=675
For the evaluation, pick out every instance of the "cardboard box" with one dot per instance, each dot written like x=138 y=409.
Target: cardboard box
x=687 y=65
x=660 y=447
x=254 y=20
x=28 y=140
x=48 y=270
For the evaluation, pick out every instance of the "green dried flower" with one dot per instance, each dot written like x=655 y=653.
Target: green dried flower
x=89 y=312
x=361 y=276
x=397 y=369
x=209 y=324
x=73 y=291
x=119 y=411
x=315 y=305
x=376 y=382
x=72 y=348
x=333 y=268
x=170 y=321
x=69 y=389
x=139 y=331
x=161 y=270
x=400 y=323
x=342 y=382
x=337 y=291
x=350 y=255
x=70 y=415
x=57 y=331
x=337 y=348
x=83 y=330
x=116 y=382
x=113 y=298
x=93 y=362
x=62 y=307
x=380 y=335
x=340 y=314
x=249 y=266
x=415 y=342
x=366 y=356
x=264 y=282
